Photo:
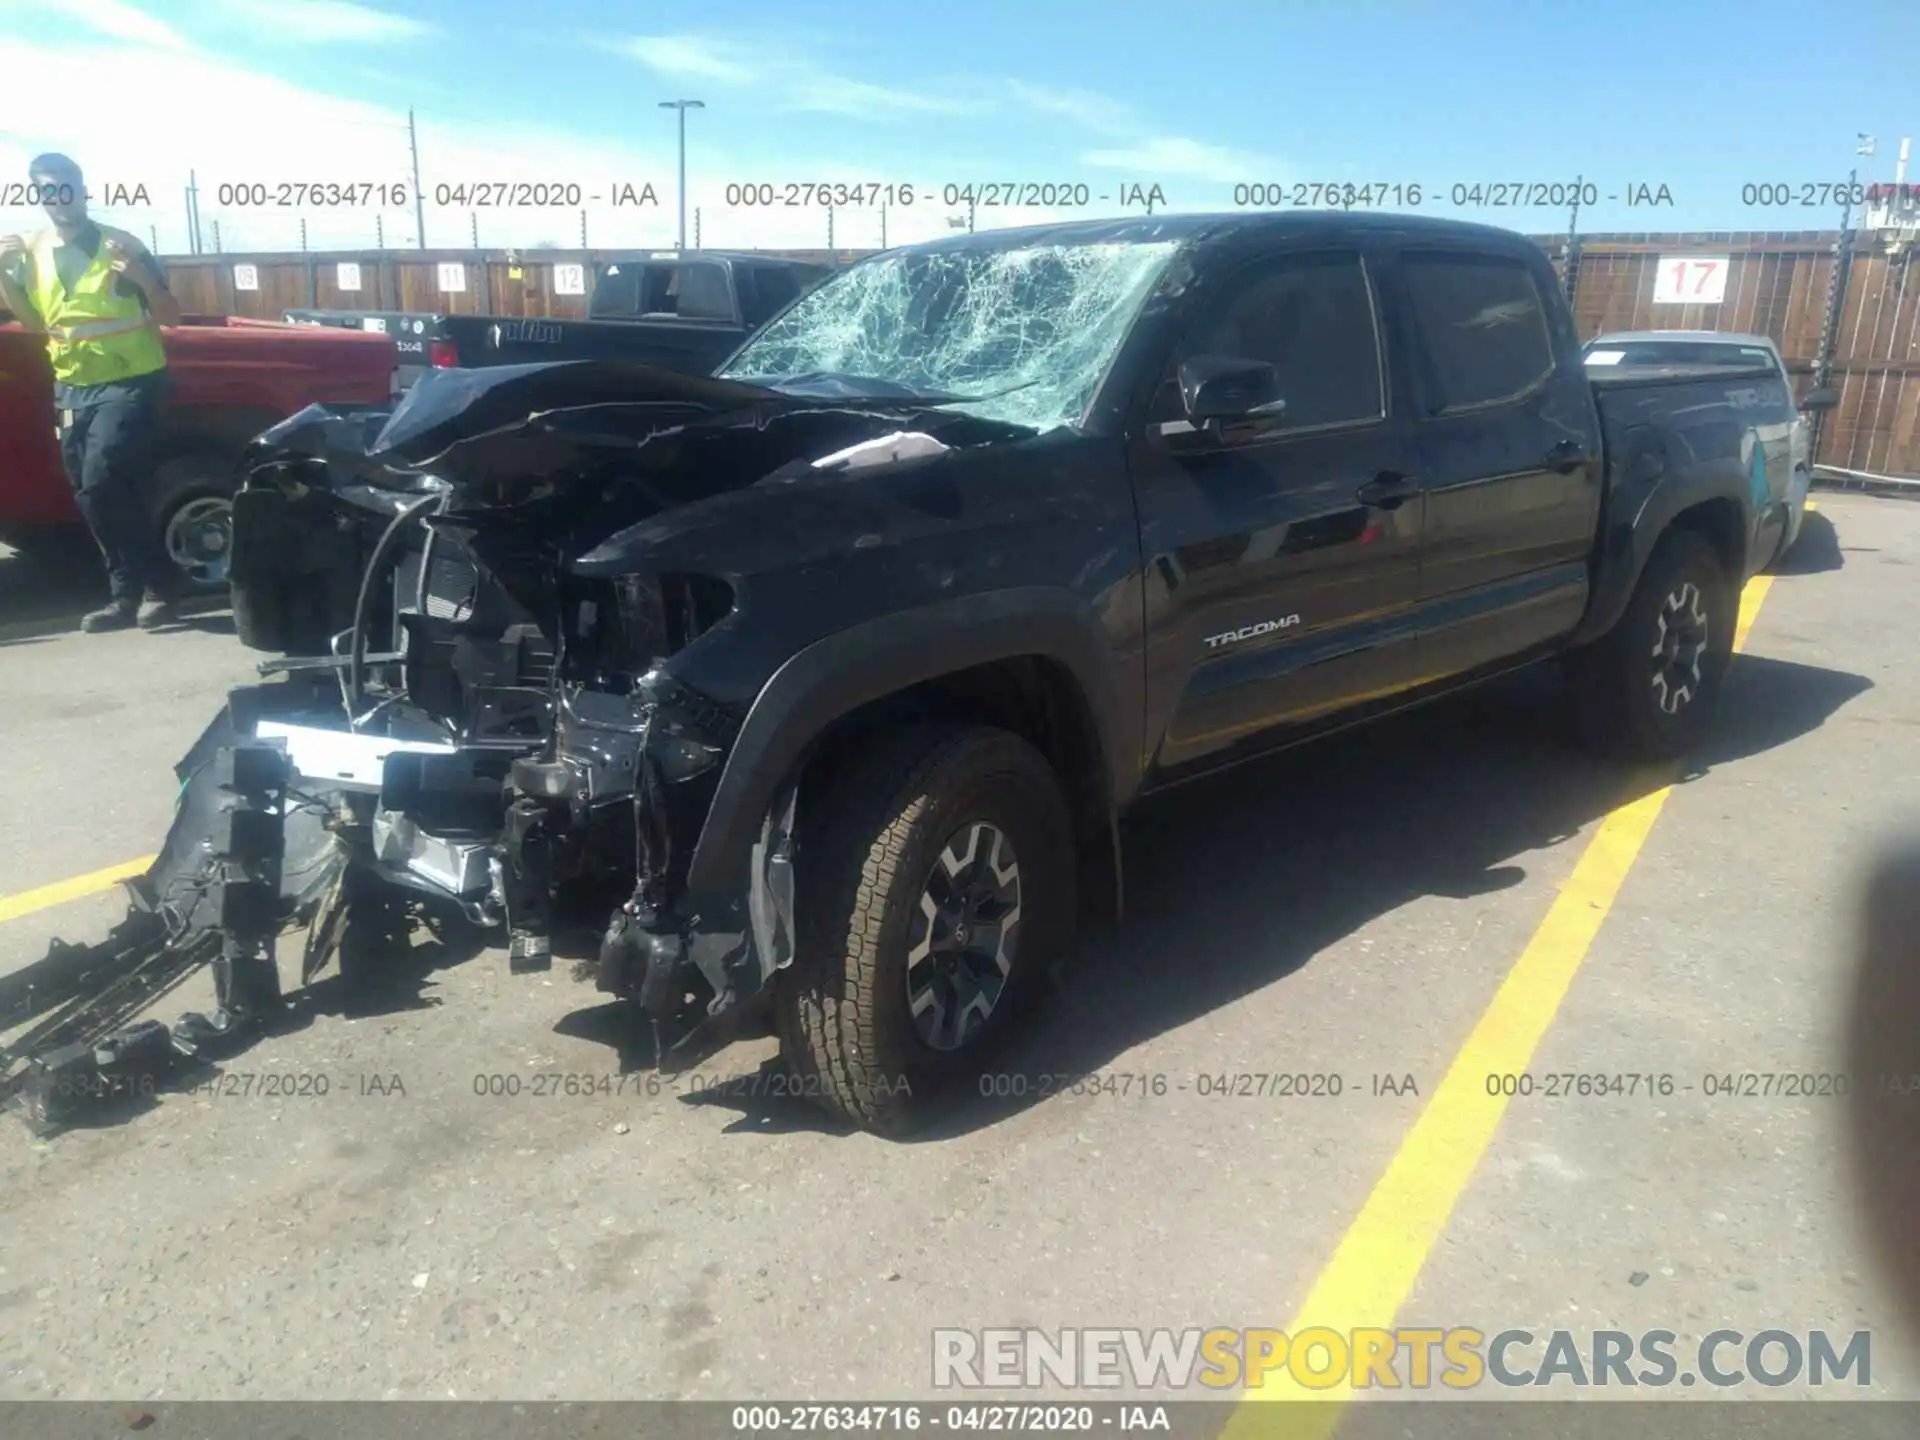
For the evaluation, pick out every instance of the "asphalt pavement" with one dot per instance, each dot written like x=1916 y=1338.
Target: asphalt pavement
x=443 y=1222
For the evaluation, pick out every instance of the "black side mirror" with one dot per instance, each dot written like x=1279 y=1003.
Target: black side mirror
x=1225 y=387
x=1822 y=399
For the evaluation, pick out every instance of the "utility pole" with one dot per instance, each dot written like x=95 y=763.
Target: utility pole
x=683 y=106
x=1836 y=294
x=419 y=200
x=193 y=213
x=1571 y=259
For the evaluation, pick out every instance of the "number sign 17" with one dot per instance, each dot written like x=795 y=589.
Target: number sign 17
x=1690 y=280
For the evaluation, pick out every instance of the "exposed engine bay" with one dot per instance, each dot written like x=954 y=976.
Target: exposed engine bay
x=492 y=692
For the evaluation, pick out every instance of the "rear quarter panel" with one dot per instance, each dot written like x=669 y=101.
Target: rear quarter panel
x=1675 y=444
x=228 y=380
x=33 y=487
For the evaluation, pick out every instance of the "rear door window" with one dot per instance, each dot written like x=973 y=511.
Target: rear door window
x=1482 y=329
x=765 y=291
x=630 y=289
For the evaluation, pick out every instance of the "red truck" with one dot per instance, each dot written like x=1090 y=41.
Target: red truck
x=231 y=379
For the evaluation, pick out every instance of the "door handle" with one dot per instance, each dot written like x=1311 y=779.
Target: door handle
x=1565 y=456
x=1387 y=490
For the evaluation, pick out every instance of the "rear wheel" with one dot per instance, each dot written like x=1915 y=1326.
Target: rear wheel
x=192 y=509
x=1648 y=688
x=937 y=884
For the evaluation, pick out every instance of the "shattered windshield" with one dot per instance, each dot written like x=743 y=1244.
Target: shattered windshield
x=1018 y=335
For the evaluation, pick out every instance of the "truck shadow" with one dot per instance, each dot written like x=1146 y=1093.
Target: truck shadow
x=1237 y=882
x=1816 y=551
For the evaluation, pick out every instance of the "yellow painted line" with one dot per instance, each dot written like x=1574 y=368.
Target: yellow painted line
x=12 y=907
x=1374 y=1267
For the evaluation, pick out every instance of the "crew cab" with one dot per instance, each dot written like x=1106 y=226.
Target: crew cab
x=685 y=311
x=824 y=679
x=229 y=380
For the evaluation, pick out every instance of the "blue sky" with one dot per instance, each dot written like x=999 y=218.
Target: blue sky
x=1699 y=98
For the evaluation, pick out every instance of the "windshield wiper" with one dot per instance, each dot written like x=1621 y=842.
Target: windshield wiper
x=841 y=386
x=990 y=395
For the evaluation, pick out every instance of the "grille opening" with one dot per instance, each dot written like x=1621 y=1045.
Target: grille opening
x=618 y=629
x=694 y=604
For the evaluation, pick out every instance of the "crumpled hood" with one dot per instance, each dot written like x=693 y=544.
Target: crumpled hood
x=575 y=450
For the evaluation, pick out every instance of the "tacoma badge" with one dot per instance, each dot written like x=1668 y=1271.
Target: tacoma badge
x=1247 y=632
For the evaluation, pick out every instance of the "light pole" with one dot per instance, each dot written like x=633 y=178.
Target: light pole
x=683 y=106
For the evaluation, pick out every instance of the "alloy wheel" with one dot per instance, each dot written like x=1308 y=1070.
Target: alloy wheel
x=963 y=938
x=1679 y=646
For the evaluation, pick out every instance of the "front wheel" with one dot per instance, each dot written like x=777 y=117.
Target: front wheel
x=936 y=886
x=1648 y=689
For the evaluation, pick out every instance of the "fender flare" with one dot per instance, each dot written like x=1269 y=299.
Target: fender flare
x=1646 y=497
x=836 y=675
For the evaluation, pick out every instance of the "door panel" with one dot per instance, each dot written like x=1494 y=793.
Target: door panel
x=1276 y=592
x=1506 y=444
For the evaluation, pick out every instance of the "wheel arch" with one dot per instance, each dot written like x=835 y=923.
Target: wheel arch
x=1034 y=661
x=1647 y=501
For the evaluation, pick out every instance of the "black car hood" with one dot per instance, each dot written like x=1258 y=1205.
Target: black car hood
x=574 y=450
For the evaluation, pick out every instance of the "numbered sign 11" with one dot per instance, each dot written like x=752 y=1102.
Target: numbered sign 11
x=346 y=275
x=453 y=276
x=246 y=277
x=1690 y=280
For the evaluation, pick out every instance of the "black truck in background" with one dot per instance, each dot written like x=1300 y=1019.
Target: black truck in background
x=682 y=310
x=825 y=680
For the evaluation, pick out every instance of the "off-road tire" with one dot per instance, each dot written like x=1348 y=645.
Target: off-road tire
x=868 y=841
x=1617 y=703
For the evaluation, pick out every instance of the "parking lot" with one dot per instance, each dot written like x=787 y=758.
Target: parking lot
x=439 y=1223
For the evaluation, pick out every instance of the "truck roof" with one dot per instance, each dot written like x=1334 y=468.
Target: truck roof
x=1148 y=229
x=739 y=257
x=1720 y=337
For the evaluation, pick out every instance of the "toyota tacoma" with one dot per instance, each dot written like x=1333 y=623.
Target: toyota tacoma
x=822 y=681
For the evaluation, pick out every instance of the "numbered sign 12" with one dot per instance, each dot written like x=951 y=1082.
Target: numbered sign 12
x=347 y=275
x=246 y=277
x=1690 y=280
x=569 y=279
x=453 y=276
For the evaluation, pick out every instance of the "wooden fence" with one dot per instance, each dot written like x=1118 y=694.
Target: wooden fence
x=1777 y=284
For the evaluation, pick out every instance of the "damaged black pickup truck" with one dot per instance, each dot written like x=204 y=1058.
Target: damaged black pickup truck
x=826 y=678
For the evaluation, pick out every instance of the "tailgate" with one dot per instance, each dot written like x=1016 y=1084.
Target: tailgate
x=413 y=333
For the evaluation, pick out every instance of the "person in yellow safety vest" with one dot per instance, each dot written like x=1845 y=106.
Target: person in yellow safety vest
x=101 y=298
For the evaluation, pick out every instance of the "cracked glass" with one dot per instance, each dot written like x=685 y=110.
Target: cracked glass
x=1019 y=335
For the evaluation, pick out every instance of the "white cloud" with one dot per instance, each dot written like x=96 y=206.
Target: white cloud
x=188 y=100
x=688 y=57
x=120 y=21
x=838 y=95
x=322 y=21
x=1162 y=157
x=1087 y=108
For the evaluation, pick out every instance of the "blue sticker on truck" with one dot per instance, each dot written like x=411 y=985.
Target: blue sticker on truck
x=1757 y=474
